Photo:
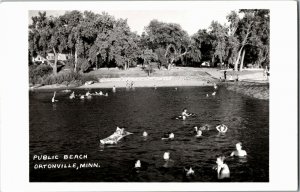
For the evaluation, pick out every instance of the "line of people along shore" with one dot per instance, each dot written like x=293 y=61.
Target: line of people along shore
x=221 y=167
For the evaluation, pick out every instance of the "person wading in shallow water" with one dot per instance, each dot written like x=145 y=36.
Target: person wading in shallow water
x=239 y=152
x=222 y=168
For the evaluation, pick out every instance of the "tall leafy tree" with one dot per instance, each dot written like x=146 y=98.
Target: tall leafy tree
x=170 y=37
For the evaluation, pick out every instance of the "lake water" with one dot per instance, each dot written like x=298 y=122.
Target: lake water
x=76 y=126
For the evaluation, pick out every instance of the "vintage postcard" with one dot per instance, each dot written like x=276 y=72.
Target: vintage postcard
x=163 y=93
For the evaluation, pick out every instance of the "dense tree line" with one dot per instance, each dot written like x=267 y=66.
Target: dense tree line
x=100 y=40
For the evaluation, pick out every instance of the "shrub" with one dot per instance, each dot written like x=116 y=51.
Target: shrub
x=38 y=72
x=83 y=64
x=85 y=78
x=70 y=63
x=69 y=78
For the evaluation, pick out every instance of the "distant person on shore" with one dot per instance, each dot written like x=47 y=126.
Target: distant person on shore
x=72 y=96
x=131 y=84
x=225 y=72
x=53 y=98
x=239 y=152
x=222 y=128
x=222 y=168
x=114 y=89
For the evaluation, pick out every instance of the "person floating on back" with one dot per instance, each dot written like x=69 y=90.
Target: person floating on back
x=222 y=168
x=222 y=128
x=239 y=152
x=53 y=98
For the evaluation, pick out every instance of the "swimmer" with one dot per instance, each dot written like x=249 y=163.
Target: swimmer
x=215 y=86
x=222 y=168
x=100 y=93
x=189 y=172
x=206 y=95
x=53 y=98
x=72 y=96
x=204 y=127
x=168 y=135
x=119 y=130
x=82 y=97
x=106 y=94
x=213 y=94
x=222 y=128
x=176 y=88
x=239 y=152
x=199 y=133
x=185 y=113
x=88 y=93
x=171 y=136
x=137 y=164
x=166 y=156
x=114 y=89
x=196 y=129
x=145 y=134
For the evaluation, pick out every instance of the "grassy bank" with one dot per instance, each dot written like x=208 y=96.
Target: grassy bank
x=259 y=90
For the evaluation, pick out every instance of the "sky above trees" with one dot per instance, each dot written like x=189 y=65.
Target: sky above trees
x=190 y=20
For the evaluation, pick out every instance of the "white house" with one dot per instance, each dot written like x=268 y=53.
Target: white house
x=50 y=57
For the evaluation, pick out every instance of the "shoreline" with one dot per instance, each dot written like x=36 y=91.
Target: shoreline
x=142 y=83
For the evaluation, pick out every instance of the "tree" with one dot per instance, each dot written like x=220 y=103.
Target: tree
x=218 y=34
x=72 y=21
x=47 y=35
x=118 y=44
x=170 y=37
x=249 y=30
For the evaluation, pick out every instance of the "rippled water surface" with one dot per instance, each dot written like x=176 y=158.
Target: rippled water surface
x=76 y=126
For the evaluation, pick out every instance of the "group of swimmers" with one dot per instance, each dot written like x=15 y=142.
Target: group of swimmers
x=87 y=95
x=221 y=167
